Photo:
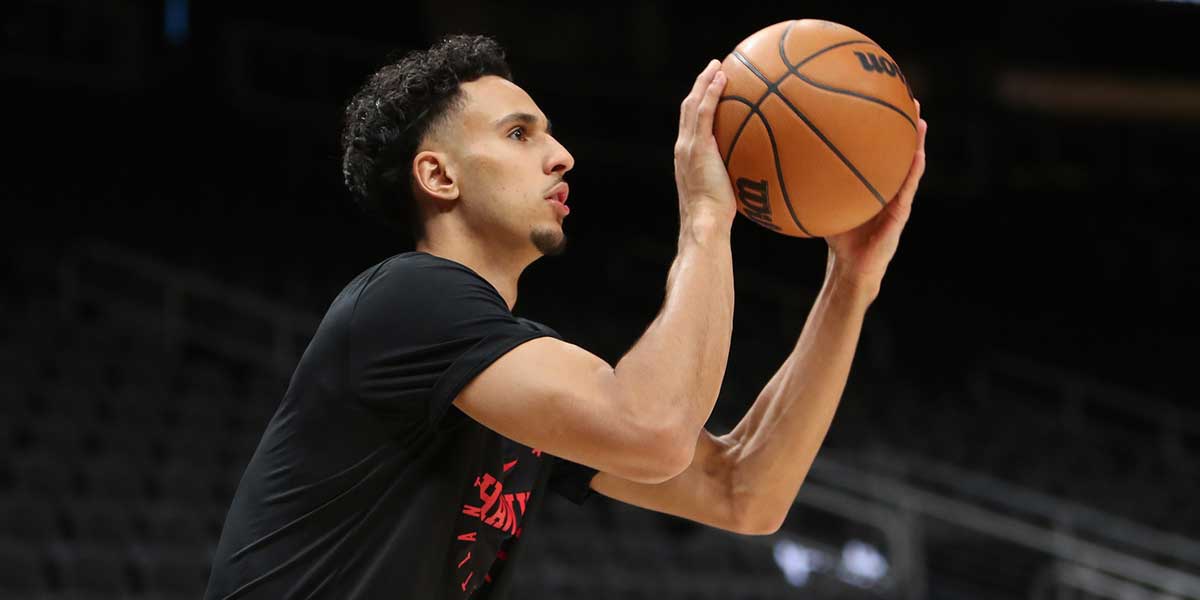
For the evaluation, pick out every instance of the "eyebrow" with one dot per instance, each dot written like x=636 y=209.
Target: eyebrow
x=526 y=119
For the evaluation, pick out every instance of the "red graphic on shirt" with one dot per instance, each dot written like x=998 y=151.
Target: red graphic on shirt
x=498 y=509
x=502 y=511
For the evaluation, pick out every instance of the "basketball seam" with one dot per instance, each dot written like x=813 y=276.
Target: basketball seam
x=774 y=152
x=828 y=143
x=737 y=134
x=795 y=70
x=754 y=106
x=854 y=94
x=773 y=88
x=783 y=56
x=787 y=201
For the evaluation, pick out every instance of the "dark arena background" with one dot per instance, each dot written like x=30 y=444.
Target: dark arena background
x=1021 y=417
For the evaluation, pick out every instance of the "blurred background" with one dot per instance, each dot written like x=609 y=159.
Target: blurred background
x=1020 y=421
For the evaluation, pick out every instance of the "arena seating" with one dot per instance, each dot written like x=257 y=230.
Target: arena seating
x=122 y=455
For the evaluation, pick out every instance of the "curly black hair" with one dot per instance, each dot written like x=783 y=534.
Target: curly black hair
x=388 y=117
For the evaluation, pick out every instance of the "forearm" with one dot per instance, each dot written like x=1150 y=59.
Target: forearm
x=778 y=439
x=672 y=375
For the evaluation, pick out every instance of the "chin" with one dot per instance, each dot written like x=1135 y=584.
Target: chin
x=550 y=241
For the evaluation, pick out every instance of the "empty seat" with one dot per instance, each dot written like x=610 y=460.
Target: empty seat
x=92 y=569
x=140 y=404
x=60 y=435
x=173 y=571
x=21 y=572
x=29 y=520
x=109 y=478
x=193 y=445
x=172 y=524
x=203 y=411
x=189 y=483
x=73 y=399
x=104 y=522
x=44 y=475
x=128 y=442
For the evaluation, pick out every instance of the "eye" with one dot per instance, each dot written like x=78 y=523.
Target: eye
x=518 y=132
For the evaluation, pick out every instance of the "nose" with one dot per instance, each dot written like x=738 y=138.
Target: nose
x=560 y=161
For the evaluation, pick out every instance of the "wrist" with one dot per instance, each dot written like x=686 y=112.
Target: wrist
x=851 y=285
x=704 y=227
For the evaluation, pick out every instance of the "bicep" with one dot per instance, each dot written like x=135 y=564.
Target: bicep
x=703 y=492
x=557 y=397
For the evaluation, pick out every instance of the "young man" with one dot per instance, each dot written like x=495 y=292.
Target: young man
x=424 y=423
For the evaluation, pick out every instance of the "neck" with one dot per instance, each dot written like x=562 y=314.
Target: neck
x=501 y=267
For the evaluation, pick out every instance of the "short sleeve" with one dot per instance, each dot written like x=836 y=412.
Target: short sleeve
x=422 y=328
x=572 y=481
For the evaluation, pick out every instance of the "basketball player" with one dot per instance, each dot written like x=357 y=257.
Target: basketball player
x=425 y=423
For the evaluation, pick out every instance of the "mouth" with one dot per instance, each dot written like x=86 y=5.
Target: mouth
x=558 y=196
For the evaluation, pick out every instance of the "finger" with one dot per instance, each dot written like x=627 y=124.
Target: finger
x=708 y=105
x=688 y=110
x=917 y=170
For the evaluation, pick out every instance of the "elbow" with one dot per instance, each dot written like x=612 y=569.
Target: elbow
x=663 y=455
x=759 y=526
x=753 y=521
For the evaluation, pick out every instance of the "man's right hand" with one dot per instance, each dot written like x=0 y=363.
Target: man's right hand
x=705 y=194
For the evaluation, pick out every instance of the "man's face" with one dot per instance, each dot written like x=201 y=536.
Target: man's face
x=508 y=165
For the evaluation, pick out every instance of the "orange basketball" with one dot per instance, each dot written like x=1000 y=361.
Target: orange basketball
x=817 y=127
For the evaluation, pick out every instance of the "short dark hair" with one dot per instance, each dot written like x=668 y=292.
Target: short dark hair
x=388 y=117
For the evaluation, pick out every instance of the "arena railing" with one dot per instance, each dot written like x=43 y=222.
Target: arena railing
x=188 y=308
x=835 y=485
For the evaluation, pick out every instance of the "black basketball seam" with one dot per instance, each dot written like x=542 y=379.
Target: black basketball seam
x=857 y=95
x=791 y=69
x=795 y=70
x=737 y=134
x=828 y=143
x=787 y=200
x=779 y=173
x=774 y=152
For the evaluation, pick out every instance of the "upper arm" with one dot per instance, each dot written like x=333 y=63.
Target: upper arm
x=705 y=492
x=557 y=397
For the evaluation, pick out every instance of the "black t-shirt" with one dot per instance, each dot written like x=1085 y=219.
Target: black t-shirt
x=368 y=482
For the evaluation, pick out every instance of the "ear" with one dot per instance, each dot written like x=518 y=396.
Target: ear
x=432 y=175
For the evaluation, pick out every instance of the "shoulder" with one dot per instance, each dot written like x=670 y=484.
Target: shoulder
x=420 y=292
x=417 y=276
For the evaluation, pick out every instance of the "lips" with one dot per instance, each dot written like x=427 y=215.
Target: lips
x=559 y=193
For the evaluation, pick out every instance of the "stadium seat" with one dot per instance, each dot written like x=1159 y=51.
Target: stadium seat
x=22 y=574
x=28 y=519
x=172 y=524
x=188 y=483
x=59 y=435
x=109 y=478
x=44 y=475
x=104 y=522
x=173 y=571
x=127 y=442
x=92 y=569
x=196 y=445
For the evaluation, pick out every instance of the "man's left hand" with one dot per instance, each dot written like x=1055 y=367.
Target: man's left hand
x=863 y=253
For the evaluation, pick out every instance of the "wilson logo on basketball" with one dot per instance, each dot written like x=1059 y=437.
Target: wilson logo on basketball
x=871 y=63
x=755 y=201
x=877 y=64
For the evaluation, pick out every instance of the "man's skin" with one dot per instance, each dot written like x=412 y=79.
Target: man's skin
x=481 y=178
